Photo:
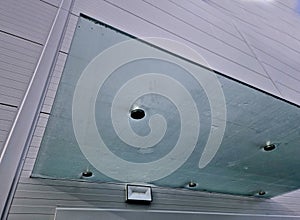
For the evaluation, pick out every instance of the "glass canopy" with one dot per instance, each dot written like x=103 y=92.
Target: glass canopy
x=126 y=111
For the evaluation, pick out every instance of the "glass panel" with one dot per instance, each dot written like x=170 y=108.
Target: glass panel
x=126 y=111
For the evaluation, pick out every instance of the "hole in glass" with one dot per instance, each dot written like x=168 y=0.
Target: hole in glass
x=137 y=114
x=192 y=184
x=269 y=147
x=87 y=174
x=261 y=193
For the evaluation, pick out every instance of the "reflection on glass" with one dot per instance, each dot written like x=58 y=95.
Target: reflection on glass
x=128 y=112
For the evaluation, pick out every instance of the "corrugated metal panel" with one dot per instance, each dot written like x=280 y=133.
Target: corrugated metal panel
x=202 y=29
x=289 y=3
x=131 y=19
x=24 y=26
x=27 y=19
x=111 y=195
x=218 y=21
x=52 y=2
x=26 y=117
x=7 y=115
x=37 y=198
x=292 y=92
x=31 y=217
x=138 y=20
x=18 y=59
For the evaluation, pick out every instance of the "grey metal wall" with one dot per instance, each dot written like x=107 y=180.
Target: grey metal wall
x=24 y=27
x=256 y=42
x=252 y=42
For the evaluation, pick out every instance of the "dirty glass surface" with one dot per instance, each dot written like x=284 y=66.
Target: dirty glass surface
x=126 y=111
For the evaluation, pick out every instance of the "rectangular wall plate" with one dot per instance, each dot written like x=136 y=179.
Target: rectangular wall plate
x=138 y=193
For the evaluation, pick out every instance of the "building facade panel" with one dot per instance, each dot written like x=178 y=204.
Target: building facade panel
x=224 y=45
